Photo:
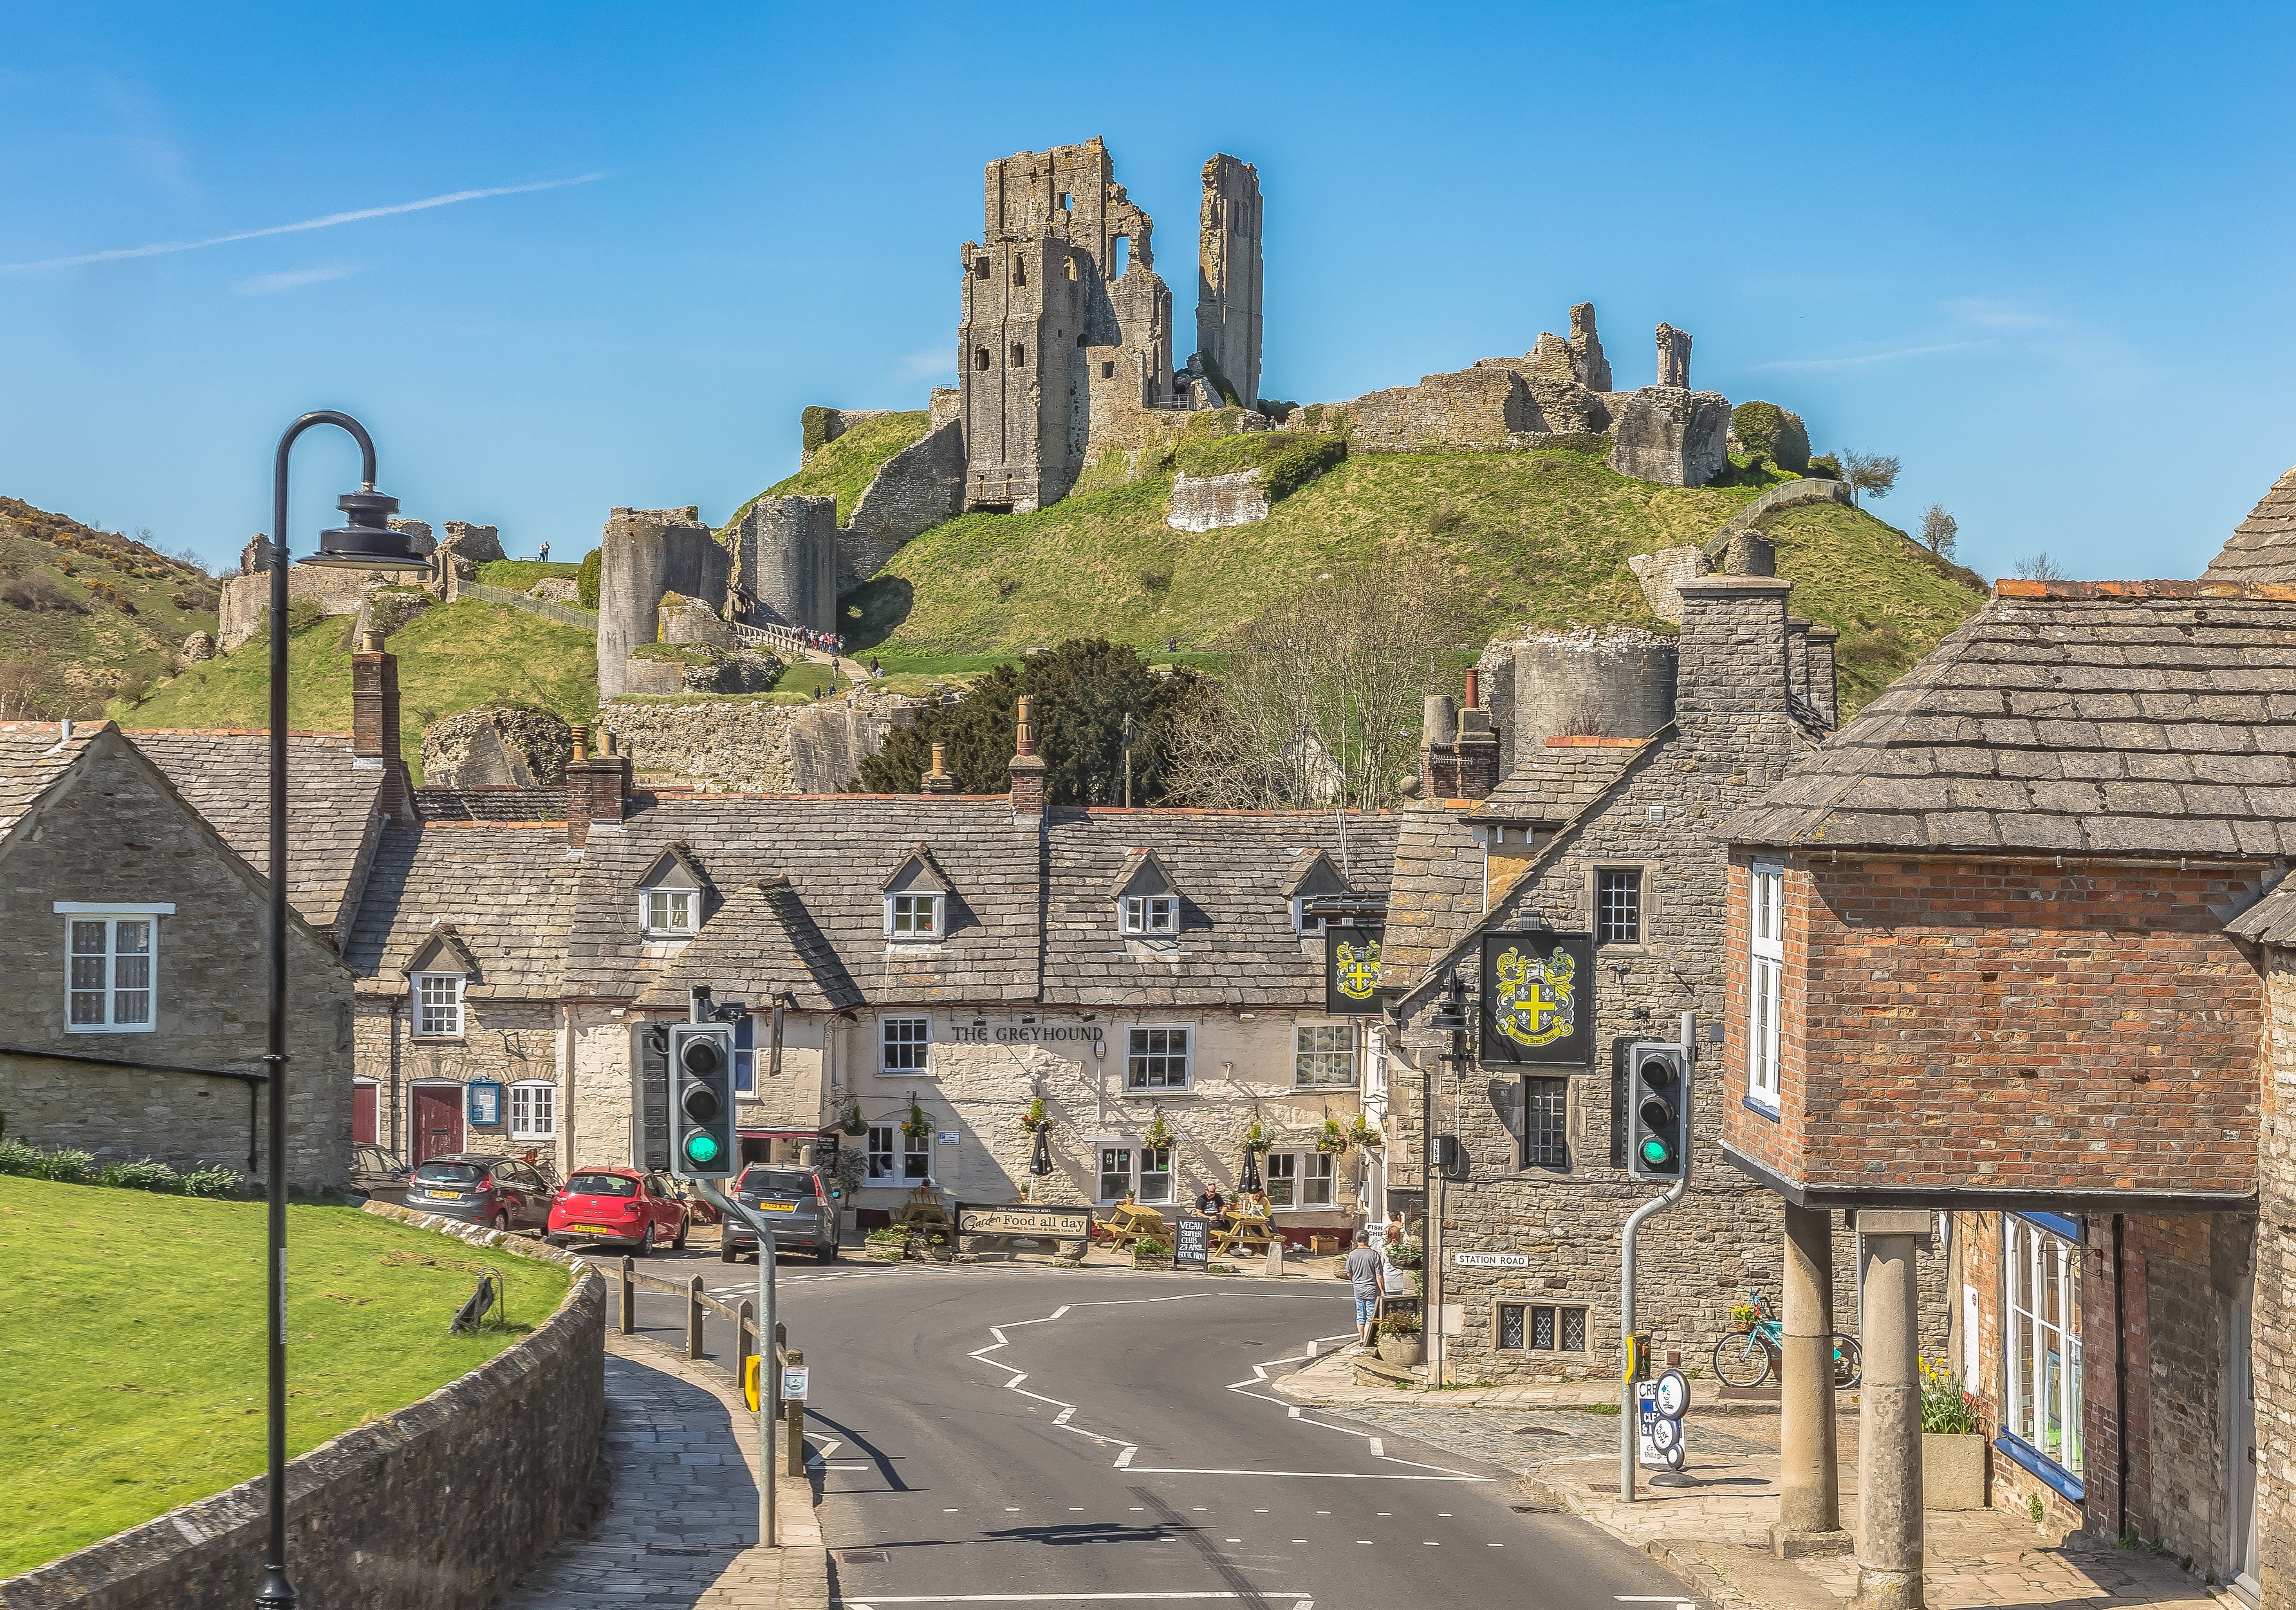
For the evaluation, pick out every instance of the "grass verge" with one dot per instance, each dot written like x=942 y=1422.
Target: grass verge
x=132 y=1377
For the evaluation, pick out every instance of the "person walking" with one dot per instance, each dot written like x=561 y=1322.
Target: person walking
x=546 y=553
x=1367 y=1277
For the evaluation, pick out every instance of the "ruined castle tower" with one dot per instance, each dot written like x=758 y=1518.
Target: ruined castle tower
x=1228 y=277
x=1588 y=366
x=1048 y=317
x=1673 y=356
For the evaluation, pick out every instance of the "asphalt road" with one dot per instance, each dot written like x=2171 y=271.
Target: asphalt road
x=988 y=1436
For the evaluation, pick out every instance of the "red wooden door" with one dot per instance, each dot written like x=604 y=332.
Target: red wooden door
x=437 y=1121
x=363 y=1115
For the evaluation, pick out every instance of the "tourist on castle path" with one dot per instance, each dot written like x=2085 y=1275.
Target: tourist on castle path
x=546 y=553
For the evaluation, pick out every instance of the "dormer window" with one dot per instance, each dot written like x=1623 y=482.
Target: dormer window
x=1304 y=921
x=1152 y=914
x=916 y=899
x=670 y=911
x=670 y=903
x=912 y=917
x=1315 y=881
x=439 y=977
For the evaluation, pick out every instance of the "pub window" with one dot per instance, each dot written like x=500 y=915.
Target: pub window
x=533 y=1111
x=880 y=1151
x=1539 y=1328
x=907 y=1045
x=1115 y=1173
x=1299 y=1179
x=916 y=1159
x=1156 y=1059
x=1324 y=1056
x=1618 y=906
x=1155 y=1174
x=1546 y=1104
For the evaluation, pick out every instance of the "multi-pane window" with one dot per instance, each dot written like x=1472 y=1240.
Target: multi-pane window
x=1156 y=1059
x=1765 y=950
x=880 y=1151
x=439 y=1006
x=1152 y=914
x=533 y=1111
x=912 y=917
x=1546 y=1104
x=1115 y=1172
x=111 y=982
x=1324 y=1056
x=1304 y=921
x=1536 y=1327
x=1618 y=906
x=671 y=910
x=745 y=1055
x=916 y=1159
x=907 y=1044
x=2041 y=1377
x=1155 y=1174
x=1299 y=1179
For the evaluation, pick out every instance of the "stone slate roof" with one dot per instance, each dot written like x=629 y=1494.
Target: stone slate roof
x=508 y=892
x=1558 y=780
x=1438 y=895
x=2271 y=921
x=2114 y=718
x=33 y=754
x=333 y=809
x=760 y=942
x=538 y=804
x=836 y=850
x=2263 y=547
x=1231 y=868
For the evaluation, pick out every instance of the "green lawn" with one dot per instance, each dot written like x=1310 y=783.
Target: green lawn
x=132 y=1345
x=520 y=574
x=452 y=657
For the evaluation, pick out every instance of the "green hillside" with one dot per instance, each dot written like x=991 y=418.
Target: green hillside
x=843 y=469
x=84 y=612
x=452 y=657
x=1537 y=539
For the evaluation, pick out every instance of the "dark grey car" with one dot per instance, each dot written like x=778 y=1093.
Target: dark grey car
x=482 y=1187
x=375 y=1173
x=795 y=1201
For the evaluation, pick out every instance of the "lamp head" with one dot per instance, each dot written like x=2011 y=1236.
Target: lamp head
x=367 y=543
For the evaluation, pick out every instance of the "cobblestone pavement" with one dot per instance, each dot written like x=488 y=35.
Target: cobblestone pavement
x=681 y=1527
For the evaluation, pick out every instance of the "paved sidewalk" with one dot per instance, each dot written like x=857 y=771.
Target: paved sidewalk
x=1330 y=1383
x=681 y=1527
x=1715 y=1536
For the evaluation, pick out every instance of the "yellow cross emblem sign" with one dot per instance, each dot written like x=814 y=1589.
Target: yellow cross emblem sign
x=1537 y=1004
x=1355 y=968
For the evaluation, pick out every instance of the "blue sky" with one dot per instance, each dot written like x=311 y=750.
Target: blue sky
x=2037 y=253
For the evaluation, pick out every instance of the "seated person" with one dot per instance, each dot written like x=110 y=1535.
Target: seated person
x=1210 y=1204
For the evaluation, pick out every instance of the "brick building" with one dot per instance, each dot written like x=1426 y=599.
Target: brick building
x=2002 y=979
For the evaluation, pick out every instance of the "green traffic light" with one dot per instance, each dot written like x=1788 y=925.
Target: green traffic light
x=1656 y=1152
x=701 y=1148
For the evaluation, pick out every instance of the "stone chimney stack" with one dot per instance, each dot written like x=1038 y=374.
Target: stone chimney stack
x=1798 y=657
x=374 y=717
x=1822 y=692
x=1026 y=769
x=597 y=788
x=1732 y=660
x=1459 y=751
x=938 y=780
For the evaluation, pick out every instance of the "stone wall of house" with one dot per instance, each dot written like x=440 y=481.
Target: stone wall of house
x=756 y=747
x=113 y=832
x=406 y=1511
x=1205 y=503
x=509 y=1039
x=2274 y=1325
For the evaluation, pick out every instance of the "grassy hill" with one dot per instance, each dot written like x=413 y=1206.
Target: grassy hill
x=452 y=657
x=1528 y=539
x=843 y=469
x=84 y=612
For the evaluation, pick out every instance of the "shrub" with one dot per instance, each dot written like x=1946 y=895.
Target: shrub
x=214 y=1179
x=1156 y=580
x=16 y=1158
x=1398 y=1325
x=889 y=1233
x=1148 y=1246
x=1824 y=467
x=1772 y=433
x=816 y=421
x=66 y=1166
x=147 y=1175
x=585 y=579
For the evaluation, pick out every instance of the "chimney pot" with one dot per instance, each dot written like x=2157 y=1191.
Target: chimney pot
x=1474 y=688
x=581 y=740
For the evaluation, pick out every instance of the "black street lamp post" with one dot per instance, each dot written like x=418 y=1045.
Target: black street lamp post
x=366 y=544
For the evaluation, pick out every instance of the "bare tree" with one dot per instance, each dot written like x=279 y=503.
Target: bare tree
x=1320 y=701
x=1938 y=531
x=2040 y=567
x=1868 y=472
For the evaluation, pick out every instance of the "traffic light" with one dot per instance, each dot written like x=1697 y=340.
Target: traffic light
x=701 y=1102
x=1660 y=1135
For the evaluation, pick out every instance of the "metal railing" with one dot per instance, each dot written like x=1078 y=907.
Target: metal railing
x=565 y=614
x=778 y=637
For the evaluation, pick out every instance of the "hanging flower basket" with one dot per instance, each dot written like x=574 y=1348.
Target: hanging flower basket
x=1034 y=1122
x=916 y=1123
x=1334 y=1139
x=1364 y=1136
x=1255 y=1140
x=852 y=1122
x=1158 y=1134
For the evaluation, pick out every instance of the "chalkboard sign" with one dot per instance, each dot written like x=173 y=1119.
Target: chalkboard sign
x=1192 y=1242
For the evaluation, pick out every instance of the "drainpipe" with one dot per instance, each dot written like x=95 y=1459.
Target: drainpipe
x=2119 y=1385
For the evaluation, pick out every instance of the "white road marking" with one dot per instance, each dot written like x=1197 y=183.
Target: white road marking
x=1124 y=1459
x=1343 y=1475
x=1379 y=1448
x=1047 y=1598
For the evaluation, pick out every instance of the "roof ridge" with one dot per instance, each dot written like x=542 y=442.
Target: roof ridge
x=2257 y=592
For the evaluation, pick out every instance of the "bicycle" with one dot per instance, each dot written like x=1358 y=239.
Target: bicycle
x=1750 y=1356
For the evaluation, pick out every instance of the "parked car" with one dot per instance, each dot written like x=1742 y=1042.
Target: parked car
x=375 y=1173
x=482 y=1187
x=625 y=1206
x=799 y=1201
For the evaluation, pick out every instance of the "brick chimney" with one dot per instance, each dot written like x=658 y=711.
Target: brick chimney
x=1028 y=770
x=1822 y=692
x=374 y=718
x=597 y=787
x=938 y=780
x=1459 y=750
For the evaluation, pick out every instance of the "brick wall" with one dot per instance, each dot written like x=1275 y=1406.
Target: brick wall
x=2274 y=1326
x=2086 y=1028
x=111 y=831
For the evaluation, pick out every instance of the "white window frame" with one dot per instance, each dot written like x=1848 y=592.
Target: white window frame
x=905 y=1147
x=1302 y=922
x=1308 y=1165
x=423 y=1008
x=111 y=914
x=531 y=1099
x=1140 y=1173
x=1765 y=957
x=669 y=929
x=1374 y=1080
x=922 y=1045
x=1301 y=1055
x=908 y=907
x=1187 y=1054
x=2040 y=1303
x=1150 y=915
x=1134 y=1171
x=891 y=1130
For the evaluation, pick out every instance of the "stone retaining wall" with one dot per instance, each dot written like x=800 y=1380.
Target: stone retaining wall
x=246 y=598
x=441 y=1506
x=756 y=747
x=1208 y=502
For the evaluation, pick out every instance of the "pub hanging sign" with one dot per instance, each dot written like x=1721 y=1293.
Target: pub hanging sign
x=1538 y=998
x=1350 y=970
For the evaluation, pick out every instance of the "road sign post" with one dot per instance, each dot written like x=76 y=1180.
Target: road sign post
x=1629 y=1402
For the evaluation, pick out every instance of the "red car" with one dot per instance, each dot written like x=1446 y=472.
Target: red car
x=638 y=1210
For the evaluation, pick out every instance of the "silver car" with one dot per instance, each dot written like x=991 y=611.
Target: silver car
x=800 y=1203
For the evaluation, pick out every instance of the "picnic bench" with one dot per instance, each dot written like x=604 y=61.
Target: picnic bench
x=1247 y=1224
x=1130 y=1221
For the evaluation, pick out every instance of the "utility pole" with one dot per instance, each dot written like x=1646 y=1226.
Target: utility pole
x=1450 y=1018
x=1629 y=1404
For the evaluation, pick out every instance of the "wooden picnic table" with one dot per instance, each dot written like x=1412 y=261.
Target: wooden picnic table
x=1130 y=1221
x=1248 y=1225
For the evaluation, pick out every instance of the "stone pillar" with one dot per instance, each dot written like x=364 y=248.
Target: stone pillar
x=1809 y=1507
x=1822 y=692
x=1889 y=1413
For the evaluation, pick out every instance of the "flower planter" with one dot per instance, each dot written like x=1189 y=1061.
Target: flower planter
x=885 y=1252
x=1953 y=1470
x=1140 y=1263
x=1403 y=1350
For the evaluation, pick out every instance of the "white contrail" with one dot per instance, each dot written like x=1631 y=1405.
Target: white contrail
x=162 y=248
